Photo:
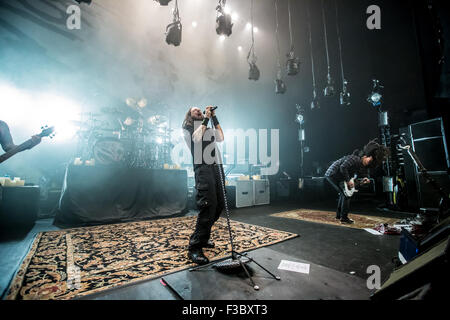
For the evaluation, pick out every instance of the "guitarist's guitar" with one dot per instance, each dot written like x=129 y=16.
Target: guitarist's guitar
x=350 y=192
x=46 y=132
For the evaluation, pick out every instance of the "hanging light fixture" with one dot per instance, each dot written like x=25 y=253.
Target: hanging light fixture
x=174 y=30
x=375 y=98
x=315 y=101
x=224 y=23
x=344 y=96
x=280 y=86
x=253 y=73
x=163 y=2
x=329 y=89
x=293 y=63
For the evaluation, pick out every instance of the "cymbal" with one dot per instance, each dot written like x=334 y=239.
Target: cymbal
x=130 y=102
x=142 y=103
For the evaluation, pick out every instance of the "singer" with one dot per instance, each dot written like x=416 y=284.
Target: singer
x=207 y=163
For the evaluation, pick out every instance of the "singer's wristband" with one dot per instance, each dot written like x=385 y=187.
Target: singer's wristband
x=205 y=122
x=215 y=121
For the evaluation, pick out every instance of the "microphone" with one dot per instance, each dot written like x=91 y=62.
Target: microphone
x=212 y=109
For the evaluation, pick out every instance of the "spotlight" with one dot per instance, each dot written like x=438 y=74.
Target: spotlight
x=239 y=48
x=248 y=26
x=315 y=102
x=174 y=30
x=345 y=95
x=173 y=33
x=292 y=64
x=376 y=97
x=300 y=117
x=194 y=24
x=163 y=2
x=329 y=89
x=224 y=23
x=255 y=29
x=280 y=86
x=253 y=73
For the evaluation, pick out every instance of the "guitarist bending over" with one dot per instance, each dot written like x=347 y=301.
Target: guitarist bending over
x=344 y=169
x=6 y=140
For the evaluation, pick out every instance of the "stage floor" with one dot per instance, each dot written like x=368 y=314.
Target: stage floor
x=338 y=259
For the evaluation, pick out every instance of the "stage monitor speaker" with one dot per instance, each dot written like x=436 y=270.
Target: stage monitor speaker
x=244 y=193
x=262 y=192
x=429 y=268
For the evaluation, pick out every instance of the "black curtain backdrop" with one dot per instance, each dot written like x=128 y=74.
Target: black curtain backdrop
x=100 y=195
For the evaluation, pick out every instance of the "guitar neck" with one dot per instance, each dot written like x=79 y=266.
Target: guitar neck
x=24 y=146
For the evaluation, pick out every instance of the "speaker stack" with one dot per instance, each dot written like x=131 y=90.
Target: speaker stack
x=428 y=141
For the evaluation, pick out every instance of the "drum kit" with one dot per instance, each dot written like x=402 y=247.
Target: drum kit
x=135 y=137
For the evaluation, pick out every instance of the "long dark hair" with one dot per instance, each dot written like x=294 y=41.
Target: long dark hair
x=378 y=152
x=188 y=121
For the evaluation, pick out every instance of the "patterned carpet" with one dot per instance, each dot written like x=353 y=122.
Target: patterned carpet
x=328 y=217
x=77 y=262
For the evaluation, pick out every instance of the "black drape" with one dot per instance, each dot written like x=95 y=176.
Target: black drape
x=99 y=195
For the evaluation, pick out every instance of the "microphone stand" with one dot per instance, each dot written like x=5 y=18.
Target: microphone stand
x=235 y=260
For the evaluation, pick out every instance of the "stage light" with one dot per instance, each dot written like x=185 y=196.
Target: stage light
x=239 y=48
x=255 y=29
x=224 y=24
x=280 y=87
x=194 y=24
x=253 y=72
x=315 y=102
x=222 y=38
x=375 y=97
x=300 y=117
x=248 y=26
x=328 y=91
x=88 y=2
x=227 y=10
x=174 y=30
x=234 y=16
x=159 y=140
x=292 y=64
x=345 y=95
x=163 y=2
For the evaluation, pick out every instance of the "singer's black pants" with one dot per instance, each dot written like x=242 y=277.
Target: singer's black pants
x=210 y=202
x=343 y=207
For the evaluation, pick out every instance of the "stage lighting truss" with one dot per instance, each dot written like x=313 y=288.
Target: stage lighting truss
x=375 y=98
x=224 y=24
x=174 y=30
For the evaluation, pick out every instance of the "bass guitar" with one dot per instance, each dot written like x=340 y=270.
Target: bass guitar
x=46 y=132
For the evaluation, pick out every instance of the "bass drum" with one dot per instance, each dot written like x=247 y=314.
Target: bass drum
x=109 y=151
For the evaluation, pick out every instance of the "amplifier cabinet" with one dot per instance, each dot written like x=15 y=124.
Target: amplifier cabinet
x=252 y=193
x=262 y=192
x=244 y=193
